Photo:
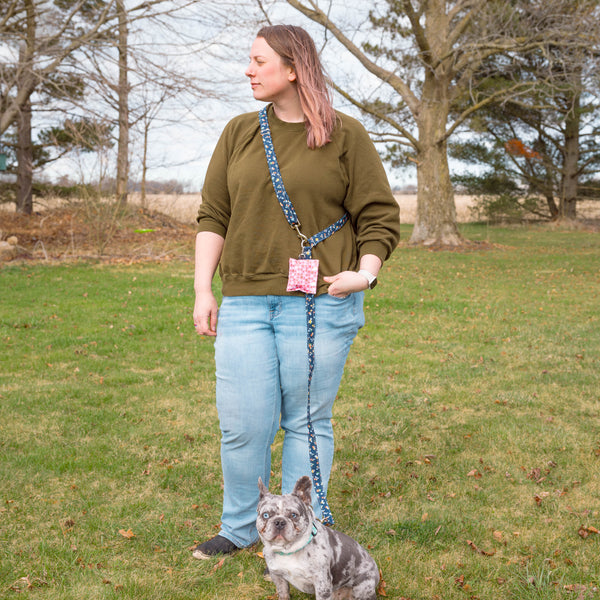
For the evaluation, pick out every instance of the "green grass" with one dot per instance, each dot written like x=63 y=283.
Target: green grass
x=467 y=428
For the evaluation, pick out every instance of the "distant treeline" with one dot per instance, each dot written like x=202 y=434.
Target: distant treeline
x=69 y=190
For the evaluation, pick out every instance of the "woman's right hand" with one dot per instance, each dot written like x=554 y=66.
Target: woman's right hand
x=205 y=313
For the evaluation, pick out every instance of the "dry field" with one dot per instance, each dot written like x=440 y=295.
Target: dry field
x=183 y=207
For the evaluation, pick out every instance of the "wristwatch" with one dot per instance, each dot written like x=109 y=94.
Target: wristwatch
x=369 y=277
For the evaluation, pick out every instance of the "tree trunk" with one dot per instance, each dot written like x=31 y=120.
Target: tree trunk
x=552 y=207
x=24 y=161
x=144 y=163
x=123 y=93
x=568 y=197
x=435 y=222
x=24 y=144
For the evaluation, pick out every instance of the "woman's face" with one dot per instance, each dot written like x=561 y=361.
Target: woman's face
x=271 y=80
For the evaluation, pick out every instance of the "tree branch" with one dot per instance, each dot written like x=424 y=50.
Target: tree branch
x=418 y=32
x=317 y=15
x=412 y=141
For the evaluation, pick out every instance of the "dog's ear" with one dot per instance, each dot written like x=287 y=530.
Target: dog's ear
x=263 y=489
x=302 y=489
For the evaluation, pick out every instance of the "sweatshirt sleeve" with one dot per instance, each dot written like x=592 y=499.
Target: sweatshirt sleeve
x=215 y=210
x=369 y=200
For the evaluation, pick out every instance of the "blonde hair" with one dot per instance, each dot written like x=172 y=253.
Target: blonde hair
x=298 y=51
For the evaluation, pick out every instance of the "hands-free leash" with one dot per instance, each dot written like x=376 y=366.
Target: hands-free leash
x=307 y=244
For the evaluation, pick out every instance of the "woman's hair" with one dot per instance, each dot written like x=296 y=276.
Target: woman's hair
x=298 y=51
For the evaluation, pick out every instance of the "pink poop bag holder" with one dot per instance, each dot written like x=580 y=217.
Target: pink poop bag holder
x=303 y=274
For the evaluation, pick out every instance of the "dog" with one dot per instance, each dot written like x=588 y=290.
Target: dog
x=301 y=551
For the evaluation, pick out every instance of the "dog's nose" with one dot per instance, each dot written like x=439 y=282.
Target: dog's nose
x=279 y=524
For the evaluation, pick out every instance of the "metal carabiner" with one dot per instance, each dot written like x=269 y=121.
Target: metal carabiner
x=304 y=242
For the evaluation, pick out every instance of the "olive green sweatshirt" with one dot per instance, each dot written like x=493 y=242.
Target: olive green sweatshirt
x=239 y=203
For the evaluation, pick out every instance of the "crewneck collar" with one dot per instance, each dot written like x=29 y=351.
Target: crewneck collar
x=275 y=121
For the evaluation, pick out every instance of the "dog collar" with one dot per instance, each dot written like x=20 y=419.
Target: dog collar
x=313 y=533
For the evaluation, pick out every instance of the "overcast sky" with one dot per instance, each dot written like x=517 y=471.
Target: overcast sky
x=184 y=134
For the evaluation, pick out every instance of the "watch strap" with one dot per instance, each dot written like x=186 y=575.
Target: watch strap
x=371 y=279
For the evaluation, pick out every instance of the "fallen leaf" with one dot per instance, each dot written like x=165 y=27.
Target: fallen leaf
x=584 y=532
x=127 y=534
x=478 y=550
x=592 y=529
x=219 y=565
x=474 y=473
x=576 y=587
x=382 y=584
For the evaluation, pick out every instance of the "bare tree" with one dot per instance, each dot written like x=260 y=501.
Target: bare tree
x=427 y=56
x=44 y=35
x=24 y=145
x=55 y=36
x=123 y=104
x=66 y=28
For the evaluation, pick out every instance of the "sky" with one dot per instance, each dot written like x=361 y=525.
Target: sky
x=186 y=129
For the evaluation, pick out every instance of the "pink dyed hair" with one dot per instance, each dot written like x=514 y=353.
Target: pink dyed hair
x=298 y=51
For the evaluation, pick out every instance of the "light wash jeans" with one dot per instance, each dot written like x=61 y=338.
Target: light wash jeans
x=262 y=378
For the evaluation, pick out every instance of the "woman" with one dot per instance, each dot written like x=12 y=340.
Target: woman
x=329 y=166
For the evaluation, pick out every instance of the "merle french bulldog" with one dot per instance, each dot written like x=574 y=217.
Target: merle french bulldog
x=315 y=559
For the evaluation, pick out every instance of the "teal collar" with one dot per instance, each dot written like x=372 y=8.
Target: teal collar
x=313 y=533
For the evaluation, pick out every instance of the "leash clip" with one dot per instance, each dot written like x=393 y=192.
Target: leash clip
x=304 y=241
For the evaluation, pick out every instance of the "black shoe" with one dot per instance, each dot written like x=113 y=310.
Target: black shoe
x=214 y=547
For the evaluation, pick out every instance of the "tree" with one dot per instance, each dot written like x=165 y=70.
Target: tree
x=46 y=34
x=68 y=25
x=123 y=102
x=427 y=56
x=77 y=40
x=547 y=139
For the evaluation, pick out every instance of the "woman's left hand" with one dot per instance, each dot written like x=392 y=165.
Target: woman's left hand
x=345 y=283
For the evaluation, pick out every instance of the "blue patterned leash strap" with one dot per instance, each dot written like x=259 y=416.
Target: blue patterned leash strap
x=323 y=235
x=282 y=195
x=307 y=245
x=313 y=452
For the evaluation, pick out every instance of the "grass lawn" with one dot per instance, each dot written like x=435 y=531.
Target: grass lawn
x=467 y=429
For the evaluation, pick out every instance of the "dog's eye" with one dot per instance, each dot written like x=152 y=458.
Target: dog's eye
x=294 y=515
x=265 y=515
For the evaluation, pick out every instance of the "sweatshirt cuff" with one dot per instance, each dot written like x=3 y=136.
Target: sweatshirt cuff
x=377 y=248
x=213 y=227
